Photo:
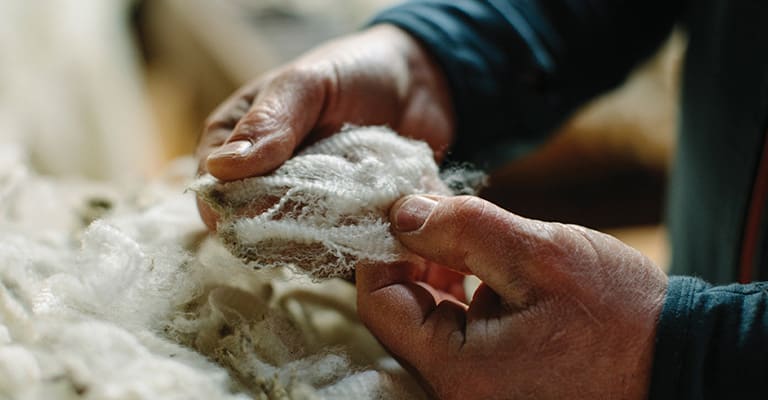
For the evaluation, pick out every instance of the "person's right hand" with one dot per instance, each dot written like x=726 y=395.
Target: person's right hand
x=380 y=76
x=563 y=312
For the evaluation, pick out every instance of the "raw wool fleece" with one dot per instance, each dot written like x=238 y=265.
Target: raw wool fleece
x=325 y=210
x=141 y=304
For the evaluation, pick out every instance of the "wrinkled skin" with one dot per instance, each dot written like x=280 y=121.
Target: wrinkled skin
x=378 y=77
x=563 y=311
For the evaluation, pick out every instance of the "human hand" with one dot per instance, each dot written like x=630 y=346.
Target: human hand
x=379 y=76
x=563 y=311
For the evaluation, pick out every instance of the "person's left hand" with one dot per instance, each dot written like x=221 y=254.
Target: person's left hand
x=379 y=76
x=563 y=311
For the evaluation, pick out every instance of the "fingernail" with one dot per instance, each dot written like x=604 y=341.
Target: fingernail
x=237 y=148
x=413 y=212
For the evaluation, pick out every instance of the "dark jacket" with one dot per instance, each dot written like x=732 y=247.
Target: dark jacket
x=519 y=68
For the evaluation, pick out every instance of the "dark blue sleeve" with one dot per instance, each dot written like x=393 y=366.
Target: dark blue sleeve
x=518 y=68
x=712 y=342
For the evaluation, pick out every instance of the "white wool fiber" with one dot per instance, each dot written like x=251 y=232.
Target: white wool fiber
x=325 y=210
x=141 y=304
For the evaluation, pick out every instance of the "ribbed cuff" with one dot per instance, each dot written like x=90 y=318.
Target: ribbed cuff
x=672 y=336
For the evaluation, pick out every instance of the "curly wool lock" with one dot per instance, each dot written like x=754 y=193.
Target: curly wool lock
x=325 y=210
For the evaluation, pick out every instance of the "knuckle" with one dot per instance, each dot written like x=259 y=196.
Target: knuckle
x=466 y=216
x=311 y=78
x=308 y=72
x=304 y=76
x=229 y=113
x=265 y=116
x=469 y=209
x=459 y=224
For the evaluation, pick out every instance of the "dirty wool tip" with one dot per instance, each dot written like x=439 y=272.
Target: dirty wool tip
x=325 y=210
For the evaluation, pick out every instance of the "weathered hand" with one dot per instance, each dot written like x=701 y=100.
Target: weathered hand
x=379 y=76
x=563 y=311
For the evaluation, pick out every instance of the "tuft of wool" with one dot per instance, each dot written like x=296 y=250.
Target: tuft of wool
x=325 y=210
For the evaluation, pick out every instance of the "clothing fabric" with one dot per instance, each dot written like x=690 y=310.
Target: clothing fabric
x=711 y=342
x=518 y=68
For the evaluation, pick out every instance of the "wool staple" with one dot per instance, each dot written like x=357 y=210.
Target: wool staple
x=325 y=211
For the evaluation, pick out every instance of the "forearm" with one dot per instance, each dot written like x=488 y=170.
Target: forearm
x=712 y=342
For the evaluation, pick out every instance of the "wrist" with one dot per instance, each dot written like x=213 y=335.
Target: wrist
x=641 y=354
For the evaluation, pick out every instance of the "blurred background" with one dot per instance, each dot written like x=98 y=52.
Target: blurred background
x=116 y=90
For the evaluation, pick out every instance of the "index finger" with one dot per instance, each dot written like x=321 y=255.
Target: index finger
x=408 y=319
x=220 y=123
x=284 y=111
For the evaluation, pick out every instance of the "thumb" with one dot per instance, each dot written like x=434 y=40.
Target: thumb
x=471 y=235
x=282 y=114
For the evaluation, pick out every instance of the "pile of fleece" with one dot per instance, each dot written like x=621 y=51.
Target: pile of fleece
x=119 y=293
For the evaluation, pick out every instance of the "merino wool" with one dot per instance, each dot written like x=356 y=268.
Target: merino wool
x=111 y=293
x=325 y=210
